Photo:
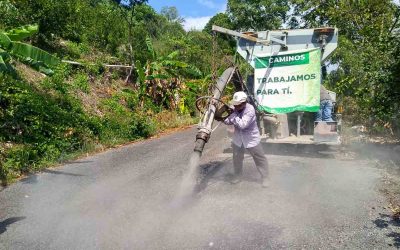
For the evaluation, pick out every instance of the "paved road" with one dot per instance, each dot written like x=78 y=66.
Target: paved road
x=125 y=199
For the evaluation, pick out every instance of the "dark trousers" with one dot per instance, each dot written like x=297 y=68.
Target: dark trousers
x=259 y=158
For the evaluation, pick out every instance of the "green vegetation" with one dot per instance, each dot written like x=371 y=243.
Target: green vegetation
x=12 y=47
x=91 y=105
x=367 y=77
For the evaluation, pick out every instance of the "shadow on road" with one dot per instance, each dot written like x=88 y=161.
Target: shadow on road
x=61 y=173
x=5 y=223
x=207 y=172
x=386 y=222
x=32 y=179
x=76 y=162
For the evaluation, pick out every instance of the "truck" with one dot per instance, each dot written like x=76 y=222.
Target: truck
x=284 y=87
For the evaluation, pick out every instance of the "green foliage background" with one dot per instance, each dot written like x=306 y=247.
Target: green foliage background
x=367 y=73
x=45 y=120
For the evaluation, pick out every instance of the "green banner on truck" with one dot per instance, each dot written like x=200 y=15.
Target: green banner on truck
x=287 y=82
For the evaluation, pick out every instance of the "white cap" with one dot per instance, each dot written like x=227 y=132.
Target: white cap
x=238 y=98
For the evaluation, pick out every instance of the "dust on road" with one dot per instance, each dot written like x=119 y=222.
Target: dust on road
x=124 y=199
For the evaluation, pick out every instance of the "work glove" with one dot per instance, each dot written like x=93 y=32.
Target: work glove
x=222 y=113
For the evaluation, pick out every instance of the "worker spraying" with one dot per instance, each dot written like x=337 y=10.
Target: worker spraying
x=280 y=58
x=246 y=137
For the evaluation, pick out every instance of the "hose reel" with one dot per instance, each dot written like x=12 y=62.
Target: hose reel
x=222 y=109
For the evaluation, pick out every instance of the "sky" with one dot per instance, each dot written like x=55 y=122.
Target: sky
x=196 y=13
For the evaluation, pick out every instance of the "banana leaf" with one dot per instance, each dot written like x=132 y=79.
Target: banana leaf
x=23 y=32
x=193 y=71
x=155 y=66
x=5 y=41
x=140 y=72
x=26 y=52
x=150 y=47
x=176 y=64
x=158 y=76
x=46 y=71
x=173 y=55
x=39 y=66
x=172 y=72
x=5 y=55
x=3 y=66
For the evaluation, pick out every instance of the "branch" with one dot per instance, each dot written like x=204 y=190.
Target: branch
x=395 y=22
x=104 y=65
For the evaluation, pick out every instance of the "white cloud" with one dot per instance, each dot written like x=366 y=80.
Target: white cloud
x=196 y=23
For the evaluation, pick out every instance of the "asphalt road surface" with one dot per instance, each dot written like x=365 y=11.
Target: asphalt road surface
x=125 y=198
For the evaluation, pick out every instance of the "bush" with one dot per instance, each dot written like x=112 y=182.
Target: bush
x=12 y=163
x=75 y=50
x=125 y=126
x=170 y=119
x=81 y=82
x=44 y=126
x=46 y=123
x=190 y=93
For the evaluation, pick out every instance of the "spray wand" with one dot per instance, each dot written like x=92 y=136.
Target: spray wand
x=205 y=125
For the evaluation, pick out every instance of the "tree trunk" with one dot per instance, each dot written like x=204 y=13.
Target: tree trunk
x=131 y=56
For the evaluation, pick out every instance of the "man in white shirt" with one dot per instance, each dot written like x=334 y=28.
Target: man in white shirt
x=246 y=136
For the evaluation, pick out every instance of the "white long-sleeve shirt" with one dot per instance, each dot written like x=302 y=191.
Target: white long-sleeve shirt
x=246 y=131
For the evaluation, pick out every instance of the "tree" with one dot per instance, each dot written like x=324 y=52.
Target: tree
x=103 y=29
x=257 y=14
x=168 y=24
x=366 y=57
x=161 y=77
x=128 y=8
x=10 y=15
x=226 y=43
x=55 y=19
x=172 y=14
x=220 y=19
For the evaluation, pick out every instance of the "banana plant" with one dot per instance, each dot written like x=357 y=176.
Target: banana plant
x=12 y=48
x=161 y=77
